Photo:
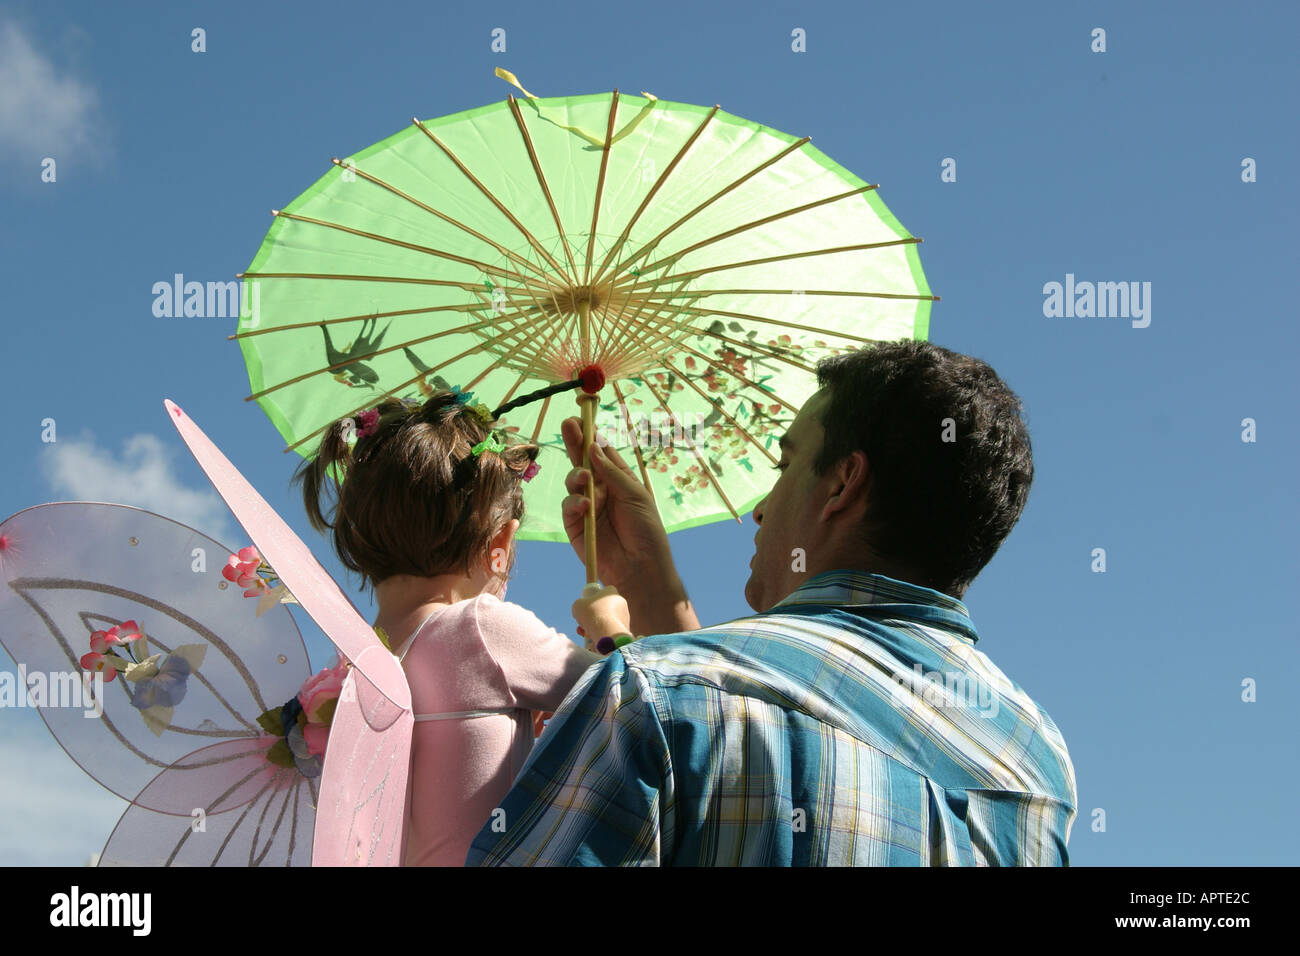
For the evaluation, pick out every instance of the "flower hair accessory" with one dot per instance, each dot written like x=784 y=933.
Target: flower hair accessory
x=477 y=408
x=367 y=422
x=531 y=471
x=362 y=425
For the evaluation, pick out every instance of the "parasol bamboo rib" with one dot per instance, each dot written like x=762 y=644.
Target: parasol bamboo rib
x=458 y=329
x=654 y=189
x=765 y=220
x=714 y=198
x=508 y=253
x=369 y=355
x=801 y=366
x=524 y=314
x=636 y=442
x=704 y=465
x=531 y=347
x=625 y=332
x=403 y=386
x=757 y=388
x=781 y=322
x=546 y=190
x=510 y=393
x=530 y=344
x=713 y=364
x=410 y=280
x=743 y=430
x=532 y=240
x=541 y=415
x=863 y=295
x=428 y=250
x=397 y=389
x=600 y=186
x=625 y=327
x=459 y=307
x=549 y=321
x=785 y=256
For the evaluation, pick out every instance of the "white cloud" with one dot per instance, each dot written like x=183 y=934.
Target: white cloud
x=44 y=111
x=143 y=476
x=51 y=812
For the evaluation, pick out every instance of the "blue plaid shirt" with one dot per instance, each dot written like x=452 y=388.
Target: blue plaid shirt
x=854 y=723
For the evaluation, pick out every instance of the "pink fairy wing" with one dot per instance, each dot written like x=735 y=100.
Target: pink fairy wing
x=361 y=815
x=292 y=560
x=363 y=792
x=69 y=569
x=245 y=811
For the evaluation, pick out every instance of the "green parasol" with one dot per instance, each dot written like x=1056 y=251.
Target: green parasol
x=699 y=261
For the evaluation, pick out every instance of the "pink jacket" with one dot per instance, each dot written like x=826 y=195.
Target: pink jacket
x=480 y=671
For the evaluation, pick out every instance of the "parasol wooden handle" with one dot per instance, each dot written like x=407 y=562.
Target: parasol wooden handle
x=588 y=404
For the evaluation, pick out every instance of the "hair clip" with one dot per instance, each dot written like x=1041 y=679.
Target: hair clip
x=491 y=443
x=532 y=469
x=483 y=413
x=462 y=398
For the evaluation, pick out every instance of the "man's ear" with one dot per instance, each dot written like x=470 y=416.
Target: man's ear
x=851 y=482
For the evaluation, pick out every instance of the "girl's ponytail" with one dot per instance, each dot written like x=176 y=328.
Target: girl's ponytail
x=409 y=494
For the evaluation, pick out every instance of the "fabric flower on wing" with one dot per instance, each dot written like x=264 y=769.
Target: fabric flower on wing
x=303 y=721
x=161 y=685
x=320 y=691
x=99 y=664
x=249 y=571
x=242 y=568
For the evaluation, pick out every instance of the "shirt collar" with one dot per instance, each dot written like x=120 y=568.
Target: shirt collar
x=849 y=587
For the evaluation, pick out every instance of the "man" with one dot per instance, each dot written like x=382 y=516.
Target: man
x=852 y=720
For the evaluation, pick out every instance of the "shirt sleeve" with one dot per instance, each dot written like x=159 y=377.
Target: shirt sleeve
x=597 y=789
x=540 y=665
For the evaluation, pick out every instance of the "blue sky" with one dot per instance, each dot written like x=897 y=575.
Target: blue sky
x=1117 y=166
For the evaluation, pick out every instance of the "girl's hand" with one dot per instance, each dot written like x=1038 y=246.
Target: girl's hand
x=603 y=614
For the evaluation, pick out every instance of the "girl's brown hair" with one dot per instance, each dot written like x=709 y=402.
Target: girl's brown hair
x=411 y=497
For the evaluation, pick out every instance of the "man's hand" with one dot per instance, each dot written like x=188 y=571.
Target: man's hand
x=629 y=531
x=631 y=543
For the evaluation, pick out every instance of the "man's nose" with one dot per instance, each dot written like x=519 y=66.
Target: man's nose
x=758 y=512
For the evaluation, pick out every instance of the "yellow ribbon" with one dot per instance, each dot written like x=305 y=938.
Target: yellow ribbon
x=593 y=140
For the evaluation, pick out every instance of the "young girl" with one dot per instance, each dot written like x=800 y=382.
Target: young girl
x=426 y=512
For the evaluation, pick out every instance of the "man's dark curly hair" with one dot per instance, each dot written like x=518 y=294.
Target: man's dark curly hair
x=943 y=494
